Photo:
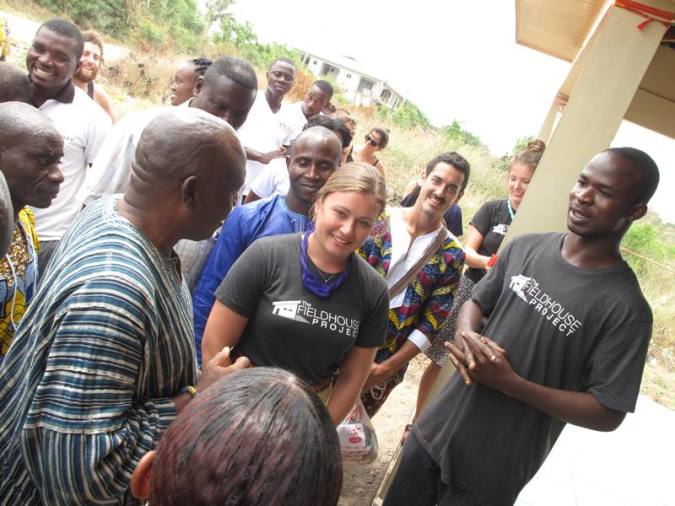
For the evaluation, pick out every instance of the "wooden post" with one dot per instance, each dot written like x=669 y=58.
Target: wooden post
x=611 y=72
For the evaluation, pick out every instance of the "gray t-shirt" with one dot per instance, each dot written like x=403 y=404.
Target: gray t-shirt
x=291 y=328
x=584 y=330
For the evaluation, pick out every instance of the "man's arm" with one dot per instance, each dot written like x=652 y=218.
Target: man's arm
x=102 y=99
x=264 y=158
x=477 y=358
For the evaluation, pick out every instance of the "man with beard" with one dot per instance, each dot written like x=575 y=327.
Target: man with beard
x=422 y=263
x=90 y=64
x=52 y=59
x=261 y=134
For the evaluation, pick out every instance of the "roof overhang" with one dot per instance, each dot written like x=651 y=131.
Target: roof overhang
x=566 y=29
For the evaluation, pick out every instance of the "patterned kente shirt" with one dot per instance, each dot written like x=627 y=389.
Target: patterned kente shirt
x=427 y=300
x=18 y=277
x=85 y=387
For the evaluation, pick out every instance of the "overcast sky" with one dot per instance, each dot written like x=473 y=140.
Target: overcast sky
x=453 y=59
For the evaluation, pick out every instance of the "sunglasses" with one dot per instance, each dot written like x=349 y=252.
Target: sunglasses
x=372 y=141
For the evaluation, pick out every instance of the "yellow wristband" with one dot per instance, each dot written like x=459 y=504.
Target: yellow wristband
x=189 y=390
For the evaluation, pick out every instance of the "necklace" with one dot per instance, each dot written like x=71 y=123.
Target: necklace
x=326 y=278
x=512 y=213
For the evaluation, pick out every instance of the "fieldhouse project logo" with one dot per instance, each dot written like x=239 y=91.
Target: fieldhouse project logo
x=527 y=289
x=302 y=311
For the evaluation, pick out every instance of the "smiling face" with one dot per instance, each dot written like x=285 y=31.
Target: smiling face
x=602 y=203
x=343 y=221
x=280 y=78
x=224 y=98
x=315 y=156
x=183 y=83
x=519 y=179
x=440 y=190
x=90 y=62
x=51 y=61
x=31 y=167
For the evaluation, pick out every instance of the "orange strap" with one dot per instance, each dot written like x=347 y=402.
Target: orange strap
x=646 y=11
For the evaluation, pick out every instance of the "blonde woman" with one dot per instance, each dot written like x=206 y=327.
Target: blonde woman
x=306 y=302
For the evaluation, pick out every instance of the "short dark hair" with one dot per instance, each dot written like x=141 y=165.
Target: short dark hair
x=14 y=84
x=384 y=136
x=645 y=166
x=257 y=436
x=284 y=60
x=67 y=29
x=238 y=70
x=334 y=125
x=324 y=86
x=456 y=160
x=201 y=65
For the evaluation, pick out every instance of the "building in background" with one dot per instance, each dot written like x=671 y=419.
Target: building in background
x=357 y=85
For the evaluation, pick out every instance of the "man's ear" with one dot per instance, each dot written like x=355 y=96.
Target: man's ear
x=188 y=191
x=199 y=84
x=459 y=196
x=638 y=211
x=140 y=479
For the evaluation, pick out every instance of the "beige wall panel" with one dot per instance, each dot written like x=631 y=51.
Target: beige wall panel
x=653 y=112
x=610 y=77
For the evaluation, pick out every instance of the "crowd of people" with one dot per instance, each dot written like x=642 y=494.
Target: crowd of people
x=196 y=295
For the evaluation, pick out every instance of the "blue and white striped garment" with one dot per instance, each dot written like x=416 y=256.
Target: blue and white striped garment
x=85 y=386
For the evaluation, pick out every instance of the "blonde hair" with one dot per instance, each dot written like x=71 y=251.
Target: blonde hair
x=356 y=177
x=531 y=155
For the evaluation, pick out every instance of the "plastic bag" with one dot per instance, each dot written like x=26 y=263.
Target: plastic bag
x=358 y=441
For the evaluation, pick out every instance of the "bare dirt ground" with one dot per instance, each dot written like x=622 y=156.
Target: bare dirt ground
x=362 y=481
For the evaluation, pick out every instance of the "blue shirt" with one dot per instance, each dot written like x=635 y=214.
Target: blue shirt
x=245 y=224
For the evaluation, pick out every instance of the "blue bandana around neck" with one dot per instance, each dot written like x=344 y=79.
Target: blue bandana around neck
x=311 y=280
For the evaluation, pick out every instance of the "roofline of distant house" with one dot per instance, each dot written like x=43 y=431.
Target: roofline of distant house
x=369 y=76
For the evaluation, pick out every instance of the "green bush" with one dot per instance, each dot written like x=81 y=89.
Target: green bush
x=109 y=16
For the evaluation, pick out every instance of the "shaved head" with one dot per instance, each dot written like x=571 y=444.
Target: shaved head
x=319 y=134
x=189 y=166
x=21 y=122
x=178 y=144
x=14 y=84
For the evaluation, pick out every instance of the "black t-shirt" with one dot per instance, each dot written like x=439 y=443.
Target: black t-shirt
x=492 y=220
x=584 y=330
x=292 y=328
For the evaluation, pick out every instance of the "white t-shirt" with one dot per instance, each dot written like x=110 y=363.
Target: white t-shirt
x=272 y=181
x=111 y=170
x=83 y=126
x=291 y=121
x=261 y=132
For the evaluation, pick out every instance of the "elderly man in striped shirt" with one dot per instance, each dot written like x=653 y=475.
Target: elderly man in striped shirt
x=104 y=359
